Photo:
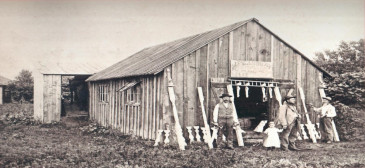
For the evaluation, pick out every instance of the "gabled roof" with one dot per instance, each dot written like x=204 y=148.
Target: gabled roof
x=4 y=81
x=153 y=60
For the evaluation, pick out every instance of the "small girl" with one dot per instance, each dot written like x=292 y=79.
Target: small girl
x=272 y=139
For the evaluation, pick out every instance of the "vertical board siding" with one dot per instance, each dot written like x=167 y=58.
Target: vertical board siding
x=191 y=90
x=212 y=69
x=250 y=42
x=243 y=43
x=178 y=78
x=251 y=50
x=166 y=109
x=264 y=45
x=197 y=113
x=203 y=77
x=51 y=98
x=223 y=58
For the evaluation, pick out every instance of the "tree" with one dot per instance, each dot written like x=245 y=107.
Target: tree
x=22 y=87
x=349 y=57
x=346 y=64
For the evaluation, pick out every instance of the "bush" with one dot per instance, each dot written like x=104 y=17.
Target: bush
x=14 y=113
x=348 y=122
x=348 y=88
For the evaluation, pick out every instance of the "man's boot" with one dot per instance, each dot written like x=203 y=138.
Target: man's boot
x=293 y=147
x=229 y=144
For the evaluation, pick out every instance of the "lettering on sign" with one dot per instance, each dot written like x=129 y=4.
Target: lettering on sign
x=251 y=69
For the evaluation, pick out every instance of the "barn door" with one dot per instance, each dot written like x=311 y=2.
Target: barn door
x=103 y=104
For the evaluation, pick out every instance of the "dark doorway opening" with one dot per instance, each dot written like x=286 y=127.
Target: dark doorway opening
x=75 y=96
x=252 y=109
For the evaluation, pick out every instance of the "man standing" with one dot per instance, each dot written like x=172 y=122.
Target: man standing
x=326 y=113
x=288 y=118
x=225 y=119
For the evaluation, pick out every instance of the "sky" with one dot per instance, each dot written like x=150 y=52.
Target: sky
x=104 y=32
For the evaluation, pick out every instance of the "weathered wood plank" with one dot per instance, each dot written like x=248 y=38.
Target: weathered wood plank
x=203 y=74
x=236 y=43
x=267 y=46
x=212 y=71
x=185 y=116
x=290 y=64
x=139 y=111
x=150 y=128
x=213 y=59
x=230 y=51
x=276 y=56
x=286 y=62
x=223 y=68
x=145 y=115
x=304 y=83
x=261 y=44
x=112 y=104
x=243 y=43
x=191 y=90
x=178 y=80
x=251 y=36
x=281 y=60
x=166 y=104
x=46 y=99
x=142 y=107
x=58 y=98
x=157 y=104
x=298 y=77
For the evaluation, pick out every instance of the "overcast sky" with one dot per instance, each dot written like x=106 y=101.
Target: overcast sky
x=105 y=32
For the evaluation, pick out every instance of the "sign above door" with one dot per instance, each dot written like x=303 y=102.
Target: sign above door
x=251 y=69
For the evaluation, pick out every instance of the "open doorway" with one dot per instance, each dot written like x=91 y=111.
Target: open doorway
x=75 y=96
x=251 y=109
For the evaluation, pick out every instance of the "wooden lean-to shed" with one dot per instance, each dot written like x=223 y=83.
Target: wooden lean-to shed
x=132 y=96
x=3 y=83
x=48 y=87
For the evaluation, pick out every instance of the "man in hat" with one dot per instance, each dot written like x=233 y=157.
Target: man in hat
x=225 y=119
x=288 y=119
x=326 y=113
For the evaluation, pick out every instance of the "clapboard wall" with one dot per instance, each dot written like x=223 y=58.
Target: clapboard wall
x=249 y=42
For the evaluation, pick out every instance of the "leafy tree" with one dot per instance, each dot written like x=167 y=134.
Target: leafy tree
x=349 y=57
x=346 y=64
x=22 y=87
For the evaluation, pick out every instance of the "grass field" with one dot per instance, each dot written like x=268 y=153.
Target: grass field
x=80 y=143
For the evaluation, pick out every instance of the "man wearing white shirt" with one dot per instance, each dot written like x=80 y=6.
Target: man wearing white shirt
x=326 y=113
x=225 y=119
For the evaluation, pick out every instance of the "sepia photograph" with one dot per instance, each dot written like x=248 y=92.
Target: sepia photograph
x=182 y=83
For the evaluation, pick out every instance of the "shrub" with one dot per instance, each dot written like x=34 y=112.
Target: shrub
x=348 y=122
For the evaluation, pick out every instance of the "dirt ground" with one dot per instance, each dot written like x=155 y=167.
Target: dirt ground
x=75 y=143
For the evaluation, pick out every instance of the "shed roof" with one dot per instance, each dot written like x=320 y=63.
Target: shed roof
x=153 y=60
x=4 y=81
x=70 y=68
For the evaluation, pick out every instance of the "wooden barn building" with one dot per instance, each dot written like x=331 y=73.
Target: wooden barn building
x=53 y=87
x=132 y=96
x=3 y=95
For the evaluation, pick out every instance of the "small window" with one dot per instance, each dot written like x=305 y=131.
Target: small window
x=103 y=93
x=133 y=95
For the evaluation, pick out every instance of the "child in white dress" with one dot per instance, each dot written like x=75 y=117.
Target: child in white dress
x=272 y=139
